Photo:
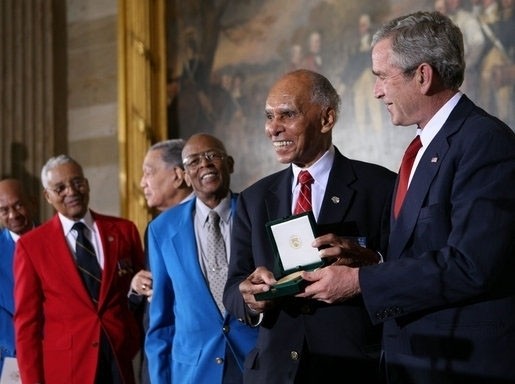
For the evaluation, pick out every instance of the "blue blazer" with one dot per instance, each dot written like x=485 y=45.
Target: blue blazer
x=7 y=342
x=187 y=337
x=356 y=200
x=446 y=294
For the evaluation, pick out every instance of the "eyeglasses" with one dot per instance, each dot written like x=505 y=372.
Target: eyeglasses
x=78 y=184
x=192 y=162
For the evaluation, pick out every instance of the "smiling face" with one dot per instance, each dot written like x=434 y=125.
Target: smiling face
x=16 y=208
x=210 y=178
x=68 y=190
x=400 y=93
x=299 y=128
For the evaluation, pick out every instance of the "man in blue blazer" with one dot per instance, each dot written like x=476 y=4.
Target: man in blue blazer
x=17 y=210
x=446 y=294
x=189 y=339
x=303 y=340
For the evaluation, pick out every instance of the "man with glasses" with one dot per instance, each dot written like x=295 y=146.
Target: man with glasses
x=67 y=332
x=17 y=216
x=191 y=338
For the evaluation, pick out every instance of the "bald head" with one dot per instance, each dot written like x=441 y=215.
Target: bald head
x=16 y=207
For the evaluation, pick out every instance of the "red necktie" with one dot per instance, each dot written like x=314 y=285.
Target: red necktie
x=404 y=172
x=304 y=200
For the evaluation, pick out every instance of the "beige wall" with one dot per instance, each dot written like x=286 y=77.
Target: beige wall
x=92 y=97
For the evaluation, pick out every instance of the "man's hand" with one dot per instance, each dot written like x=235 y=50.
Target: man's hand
x=339 y=280
x=331 y=284
x=141 y=283
x=259 y=281
x=342 y=251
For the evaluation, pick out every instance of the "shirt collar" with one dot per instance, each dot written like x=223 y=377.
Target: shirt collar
x=68 y=223
x=437 y=121
x=223 y=209
x=14 y=236
x=319 y=170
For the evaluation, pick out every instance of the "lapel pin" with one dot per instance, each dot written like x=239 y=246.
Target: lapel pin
x=110 y=238
x=434 y=159
x=335 y=199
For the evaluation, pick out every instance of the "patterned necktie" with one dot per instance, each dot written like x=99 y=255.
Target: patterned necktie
x=87 y=262
x=404 y=173
x=216 y=259
x=304 y=199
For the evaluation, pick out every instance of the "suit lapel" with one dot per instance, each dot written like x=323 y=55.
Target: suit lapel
x=338 y=194
x=62 y=258
x=109 y=237
x=186 y=246
x=278 y=202
x=427 y=169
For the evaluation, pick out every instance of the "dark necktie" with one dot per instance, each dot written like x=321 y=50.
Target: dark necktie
x=216 y=268
x=404 y=173
x=87 y=262
x=304 y=199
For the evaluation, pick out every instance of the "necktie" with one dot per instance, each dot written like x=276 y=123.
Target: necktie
x=404 y=173
x=304 y=199
x=216 y=259
x=87 y=262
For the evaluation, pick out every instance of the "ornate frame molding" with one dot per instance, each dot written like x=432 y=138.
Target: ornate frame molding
x=141 y=96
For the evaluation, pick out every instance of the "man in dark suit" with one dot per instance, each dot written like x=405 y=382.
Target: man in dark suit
x=302 y=340
x=17 y=216
x=446 y=294
x=64 y=332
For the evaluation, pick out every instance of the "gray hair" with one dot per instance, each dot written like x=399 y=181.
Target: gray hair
x=323 y=92
x=171 y=151
x=54 y=162
x=426 y=37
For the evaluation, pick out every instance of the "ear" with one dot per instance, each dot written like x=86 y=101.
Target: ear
x=230 y=164
x=179 y=176
x=47 y=196
x=328 y=120
x=424 y=77
x=187 y=179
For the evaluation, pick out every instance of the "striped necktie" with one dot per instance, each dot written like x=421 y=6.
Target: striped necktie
x=87 y=262
x=303 y=203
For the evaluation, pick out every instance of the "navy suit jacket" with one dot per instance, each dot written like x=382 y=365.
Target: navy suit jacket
x=187 y=336
x=446 y=294
x=7 y=342
x=356 y=199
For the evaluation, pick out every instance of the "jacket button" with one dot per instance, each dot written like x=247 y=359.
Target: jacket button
x=294 y=355
x=219 y=360
x=306 y=309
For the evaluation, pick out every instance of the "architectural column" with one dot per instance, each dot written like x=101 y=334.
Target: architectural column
x=33 y=104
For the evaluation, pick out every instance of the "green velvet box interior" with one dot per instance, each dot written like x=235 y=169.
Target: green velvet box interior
x=291 y=240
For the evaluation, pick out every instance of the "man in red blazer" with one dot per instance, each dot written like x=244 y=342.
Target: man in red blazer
x=63 y=335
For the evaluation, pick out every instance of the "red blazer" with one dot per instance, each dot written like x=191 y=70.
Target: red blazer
x=57 y=325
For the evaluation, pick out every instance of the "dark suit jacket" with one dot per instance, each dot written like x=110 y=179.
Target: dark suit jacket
x=356 y=199
x=446 y=294
x=58 y=327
